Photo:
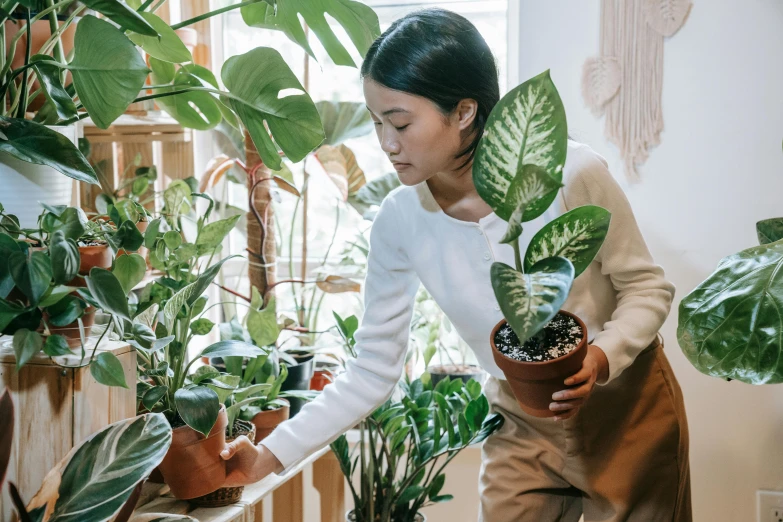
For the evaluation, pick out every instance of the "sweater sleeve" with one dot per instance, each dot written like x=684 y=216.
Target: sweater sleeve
x=381 y=342
x=644 y=296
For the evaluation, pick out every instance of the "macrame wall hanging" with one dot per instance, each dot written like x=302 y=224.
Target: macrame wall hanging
x=625 y=82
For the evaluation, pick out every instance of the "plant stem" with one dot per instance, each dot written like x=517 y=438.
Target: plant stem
x=23 y=86
x=517 y=256
x=144 y=6
x=54 y=25
x=210 y=14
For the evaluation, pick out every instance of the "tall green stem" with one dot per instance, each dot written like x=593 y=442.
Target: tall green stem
x=54 y=27
x=210 y=14
x=518 y=256
x=23 y=100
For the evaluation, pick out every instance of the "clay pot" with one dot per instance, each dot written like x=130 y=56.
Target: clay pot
x=534 y=383
x=266 y=421
x=94 y=255
x=226 y=496
x=193 y=466
x=463 y=373
x=71 y=331
x=321 y=378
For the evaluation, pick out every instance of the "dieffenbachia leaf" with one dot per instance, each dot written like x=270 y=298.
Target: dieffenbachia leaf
x=770 y=230
x=576 y=235
x=527 y=127
x=730 y=325
x=529 y=301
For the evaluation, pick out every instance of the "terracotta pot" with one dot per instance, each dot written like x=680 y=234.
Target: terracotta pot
x=94 y=255
x=226 y=496
x=463 y=373
x=193 y=466
x=71 y=331
x=266 y=421
x=534 y=383
x=321 y=379
x=40 y=33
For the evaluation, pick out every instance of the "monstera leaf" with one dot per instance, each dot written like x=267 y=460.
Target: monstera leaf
x=730 y=326
x=576 y=235
x=344 y=120
x=770 y=230
x=527 y=127
x=358 y=20
x=108 y=71
x=529 y=301
x=258 y=81
x=96 y=478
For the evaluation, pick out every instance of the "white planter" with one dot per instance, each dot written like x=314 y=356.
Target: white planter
x=23 y=186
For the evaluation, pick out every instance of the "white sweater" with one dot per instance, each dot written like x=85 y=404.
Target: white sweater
x=623 y=296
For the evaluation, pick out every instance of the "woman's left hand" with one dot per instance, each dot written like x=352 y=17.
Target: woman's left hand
x=595 y=368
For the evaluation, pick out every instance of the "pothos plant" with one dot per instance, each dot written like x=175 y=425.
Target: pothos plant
x=405 y=445
x=730 y=325
x=518 y=171
x=166 y=384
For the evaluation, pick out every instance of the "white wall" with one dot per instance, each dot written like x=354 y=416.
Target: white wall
x=718 y=170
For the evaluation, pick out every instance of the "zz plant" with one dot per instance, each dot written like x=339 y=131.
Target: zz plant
x=518 y=171
x=398 y=464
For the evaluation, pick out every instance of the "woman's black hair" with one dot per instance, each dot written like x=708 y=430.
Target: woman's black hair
x=438 y=55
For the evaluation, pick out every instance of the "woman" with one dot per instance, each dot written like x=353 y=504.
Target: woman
x=618 y=447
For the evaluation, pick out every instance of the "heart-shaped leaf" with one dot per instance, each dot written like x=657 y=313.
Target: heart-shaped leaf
x=129 y=270
x=153 y=395
x=26 y=344
x=72 y=222
x=107 y=291
x=65 y=258
x=32 y=274
x=128 y=237
x=359 y=21
x=35 y=143
x=167 y=46
x=9 y=312
x=56 y=345
x=48 y=72
x=66 y=311
x=256 y=81
x=576 y=235
x=730 y=325
x=529 y=301
x=262 y=322
x=108 y=71
x=213 y=234
x=527 y=127
x=108 y=370
x=199 y=407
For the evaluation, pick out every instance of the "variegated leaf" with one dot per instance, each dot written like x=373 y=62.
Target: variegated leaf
x=576 y=235
x=527 y=127
x=529 y=301
x=770 y=230
x=529 y=193
x=95 y=479
x=335 y=284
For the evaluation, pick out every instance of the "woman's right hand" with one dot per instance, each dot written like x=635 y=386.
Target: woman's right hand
x=247 y=462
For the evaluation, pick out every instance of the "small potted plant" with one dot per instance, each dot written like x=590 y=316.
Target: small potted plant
x=405 y=445
x=518 y=171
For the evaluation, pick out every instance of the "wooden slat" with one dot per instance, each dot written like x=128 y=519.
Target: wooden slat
x=329 y=480
x=178 y=161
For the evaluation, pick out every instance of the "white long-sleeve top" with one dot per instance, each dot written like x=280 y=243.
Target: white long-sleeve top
x=623 y=296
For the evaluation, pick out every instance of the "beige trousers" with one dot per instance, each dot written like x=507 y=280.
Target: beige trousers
x=623 y=457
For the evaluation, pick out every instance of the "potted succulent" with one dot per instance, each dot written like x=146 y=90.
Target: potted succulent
x=405 y=445
x=518 y=171
x=729 y=325
x=169 y=314
x=91 y=482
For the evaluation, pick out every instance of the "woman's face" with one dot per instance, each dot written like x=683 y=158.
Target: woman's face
x=417 y=137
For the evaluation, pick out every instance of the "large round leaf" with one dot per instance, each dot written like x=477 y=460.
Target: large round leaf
x=96 y=478
x=107 y=290
x=731 y=325
x=65 y=258
x=108 y=71
x=167 y=46
x=576 y=235
x=129 y=270
x=358 y=20
x=35 y=143
x=256 y=81
x=527 y=127
x=199 y=407
x=529 y=301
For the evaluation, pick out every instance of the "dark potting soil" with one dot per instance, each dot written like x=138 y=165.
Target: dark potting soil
x=558 y=338
x=240 y=428
x=177 y=422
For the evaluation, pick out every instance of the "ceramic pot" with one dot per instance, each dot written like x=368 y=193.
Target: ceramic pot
x=266 y=421
x=534 y=383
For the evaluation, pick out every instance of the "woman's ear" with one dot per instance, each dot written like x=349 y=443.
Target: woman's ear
x=466 y=113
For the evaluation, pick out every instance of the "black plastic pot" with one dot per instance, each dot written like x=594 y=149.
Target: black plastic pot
x=299 y=379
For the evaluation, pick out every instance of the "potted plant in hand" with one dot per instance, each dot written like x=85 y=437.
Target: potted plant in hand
x=405 y=445
x=518 y=171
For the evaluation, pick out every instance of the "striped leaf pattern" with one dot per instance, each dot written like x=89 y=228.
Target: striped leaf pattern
x=529 y=301
x=527 y=127
x=576 y=235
